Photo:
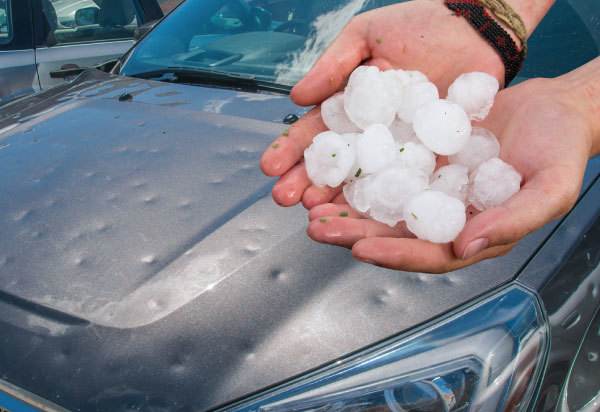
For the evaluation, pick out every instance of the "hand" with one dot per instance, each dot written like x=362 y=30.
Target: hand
x=418 y=35
x=544 y=133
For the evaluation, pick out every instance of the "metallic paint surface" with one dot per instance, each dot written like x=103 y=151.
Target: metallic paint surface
x=144 y=265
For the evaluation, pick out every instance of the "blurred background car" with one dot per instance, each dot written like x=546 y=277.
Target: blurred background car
x=145 y=267
x=63 y=35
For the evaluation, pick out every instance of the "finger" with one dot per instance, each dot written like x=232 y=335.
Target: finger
x=317 y=195
x=288 y=149
x=548 y=195
x=290 y=187
x=340 y=199
x=414 y=255
x=330 y=209
x=330 y=72
x=343 y=231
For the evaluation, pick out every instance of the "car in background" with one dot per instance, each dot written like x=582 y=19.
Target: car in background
x=43 y=51
x=144 y=266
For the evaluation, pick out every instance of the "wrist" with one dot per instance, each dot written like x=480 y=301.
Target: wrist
x=581 y=88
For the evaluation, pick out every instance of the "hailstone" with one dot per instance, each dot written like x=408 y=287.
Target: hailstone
x=493 y=183
x=435 y=216
x=390 y=190
x=452 y=180
x=475 y=92
x=335 y=117
x=329 y=159
x=416 y=156
x=375 y=149
x=481 y=146
x=357 y=194
x=415 y=95
x=403 y=132
x=442 y=126
x=367 y=98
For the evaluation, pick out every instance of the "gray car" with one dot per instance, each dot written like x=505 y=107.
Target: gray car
x=145 y=267
x=40 y=52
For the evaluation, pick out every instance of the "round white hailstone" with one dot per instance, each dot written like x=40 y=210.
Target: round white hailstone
x=396 y=80
x=335 y=117
x=481 y=146
x=416 y=156
x=375 y=149
x=416 y=76
x=357 y=194
x=355 y=171
x=367 y=99
x=435 y=216
x=493 y=183
x=442 y=126
x=390 y=190
x=414 y=96
x=452 y=180
x=475 y=92
x=329 y=159
x=403 y=132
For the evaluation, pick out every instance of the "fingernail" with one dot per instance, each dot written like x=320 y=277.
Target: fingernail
x=474 y=248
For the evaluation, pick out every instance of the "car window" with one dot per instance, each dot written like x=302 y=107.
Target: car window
x=279 y=40
x=5 y=26
x=85 y=21
x=168 y=5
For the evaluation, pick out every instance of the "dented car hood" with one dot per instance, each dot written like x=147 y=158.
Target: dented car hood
x=143 y=262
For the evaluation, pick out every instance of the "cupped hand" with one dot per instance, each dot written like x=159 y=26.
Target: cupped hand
x=418 y=35
x=543 y=133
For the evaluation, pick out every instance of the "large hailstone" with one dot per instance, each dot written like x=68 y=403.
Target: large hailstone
x=442 y=126
x=357 y=194
x=389 y=191
x=481 y=146
x=475 y=92
x=396 y=80
x=416 y=156
x=335 y=117
x=403 y=132
x=493 y=183
x=375 y=149
x=415 y=95
x=453 y=180
x=329 y=159
x=367 y=99
x=435 y=216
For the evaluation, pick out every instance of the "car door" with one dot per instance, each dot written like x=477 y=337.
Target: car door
x=85 y=33
x=18 y=75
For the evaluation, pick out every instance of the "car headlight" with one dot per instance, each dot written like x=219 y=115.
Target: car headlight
x=487 y=357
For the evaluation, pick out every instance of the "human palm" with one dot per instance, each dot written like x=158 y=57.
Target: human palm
x=542 y=134
x=418 y=35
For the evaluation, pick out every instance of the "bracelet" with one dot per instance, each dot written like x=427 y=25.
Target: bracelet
x=478 y=17
x=503 y=12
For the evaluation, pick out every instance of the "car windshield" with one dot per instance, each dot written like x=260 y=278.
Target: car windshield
x=277 y=41
x=272 y=40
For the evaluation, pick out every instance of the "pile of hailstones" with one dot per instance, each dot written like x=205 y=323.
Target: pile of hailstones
x=386 y=129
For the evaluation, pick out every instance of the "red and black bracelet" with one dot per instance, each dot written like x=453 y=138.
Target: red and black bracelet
x=478 y=17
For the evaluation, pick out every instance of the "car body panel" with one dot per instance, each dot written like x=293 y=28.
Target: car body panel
x=170 y=278
x=18 y=74
x=50 y=59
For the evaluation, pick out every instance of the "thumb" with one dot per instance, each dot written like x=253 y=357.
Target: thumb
x=333 y=68
x=547 y=196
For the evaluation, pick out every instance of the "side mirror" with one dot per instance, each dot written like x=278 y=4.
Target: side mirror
x=86 y=16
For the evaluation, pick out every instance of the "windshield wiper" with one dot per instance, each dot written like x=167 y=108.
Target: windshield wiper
x=211 y=77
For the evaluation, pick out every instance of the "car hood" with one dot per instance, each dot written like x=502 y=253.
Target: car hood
x=143 y=262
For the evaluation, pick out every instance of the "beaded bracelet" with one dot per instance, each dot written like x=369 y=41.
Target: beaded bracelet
x=478 y=17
